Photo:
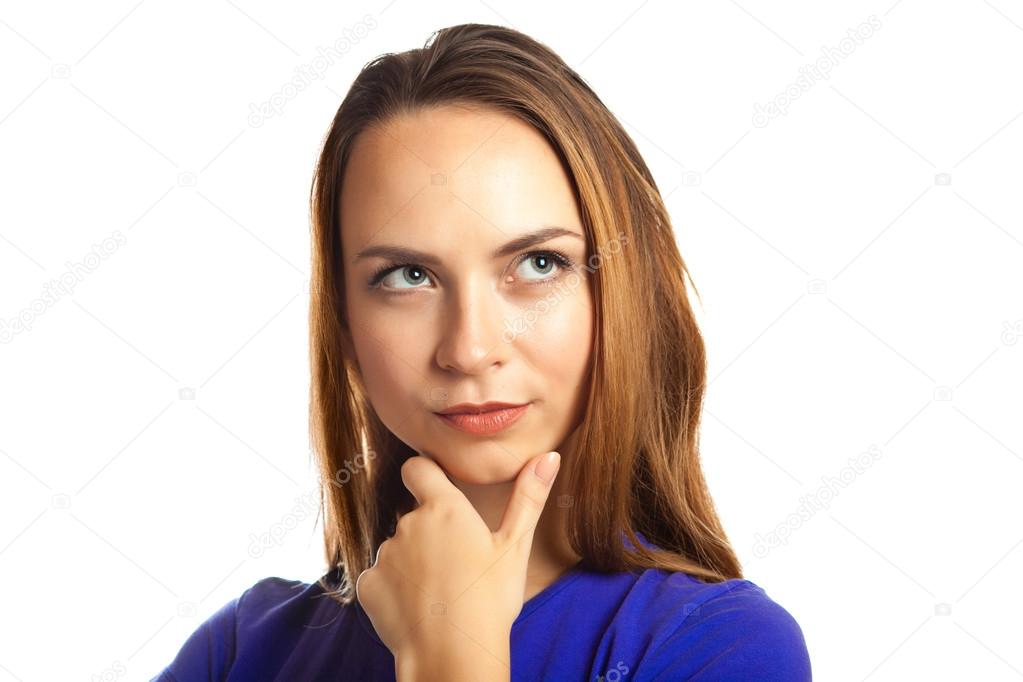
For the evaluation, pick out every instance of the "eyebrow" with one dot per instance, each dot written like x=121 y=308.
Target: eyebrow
x=403 y=254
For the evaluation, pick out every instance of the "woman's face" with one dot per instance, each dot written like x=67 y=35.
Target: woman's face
x=471 y=317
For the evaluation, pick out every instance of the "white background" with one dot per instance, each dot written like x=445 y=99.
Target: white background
x=858 y=258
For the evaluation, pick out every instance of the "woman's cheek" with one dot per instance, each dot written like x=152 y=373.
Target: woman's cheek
x=563 y=348
x=387 y=357
x=565 y=331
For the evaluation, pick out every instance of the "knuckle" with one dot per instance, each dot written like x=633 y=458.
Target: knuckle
x=446 y=511
x=364 y=585
x=383 y=551
x=531 y=503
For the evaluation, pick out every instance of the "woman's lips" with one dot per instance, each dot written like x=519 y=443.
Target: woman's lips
x=485 y=423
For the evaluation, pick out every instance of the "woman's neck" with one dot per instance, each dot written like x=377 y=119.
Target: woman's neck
x=551 y=554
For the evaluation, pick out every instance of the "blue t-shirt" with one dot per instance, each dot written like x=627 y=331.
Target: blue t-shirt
x=640 y=626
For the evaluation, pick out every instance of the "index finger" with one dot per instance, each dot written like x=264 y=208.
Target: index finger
x=425 y=479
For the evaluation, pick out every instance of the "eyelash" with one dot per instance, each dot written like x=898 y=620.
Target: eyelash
x=563 y=261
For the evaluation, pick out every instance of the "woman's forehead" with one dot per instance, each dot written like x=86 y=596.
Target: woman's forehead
x=448 y=144
x=449 y=166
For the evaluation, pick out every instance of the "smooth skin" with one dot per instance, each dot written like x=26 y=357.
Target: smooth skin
x=458 y=324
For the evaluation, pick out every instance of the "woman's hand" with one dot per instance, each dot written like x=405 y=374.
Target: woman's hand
x=444 y=581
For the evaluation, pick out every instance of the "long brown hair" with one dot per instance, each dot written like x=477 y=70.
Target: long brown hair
x=635 y=464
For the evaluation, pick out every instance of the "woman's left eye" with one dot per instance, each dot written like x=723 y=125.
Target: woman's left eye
x=544 y=262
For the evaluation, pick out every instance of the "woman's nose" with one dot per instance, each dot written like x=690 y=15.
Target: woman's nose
x=472 y=329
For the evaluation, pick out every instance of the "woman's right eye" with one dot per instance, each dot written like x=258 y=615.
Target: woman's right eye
x=391 y=276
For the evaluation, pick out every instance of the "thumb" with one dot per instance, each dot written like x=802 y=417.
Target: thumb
x=528 y=497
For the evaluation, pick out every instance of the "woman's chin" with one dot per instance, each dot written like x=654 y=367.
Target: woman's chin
x=485 y=465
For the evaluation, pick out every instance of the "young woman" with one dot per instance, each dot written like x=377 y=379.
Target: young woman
x=495 y=277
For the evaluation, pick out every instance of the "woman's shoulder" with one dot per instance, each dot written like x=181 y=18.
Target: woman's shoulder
x=726 y=629
x=268 y=619
x=685 y=595
x=269 y=596
x=275 y=591
x=274 y=602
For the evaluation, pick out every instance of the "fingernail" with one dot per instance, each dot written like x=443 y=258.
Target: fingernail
x=547 y=466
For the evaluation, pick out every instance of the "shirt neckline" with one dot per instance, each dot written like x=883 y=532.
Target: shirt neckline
x=538 y=599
